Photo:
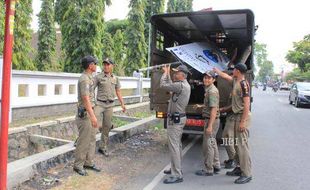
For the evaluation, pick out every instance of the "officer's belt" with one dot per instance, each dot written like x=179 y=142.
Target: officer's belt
x=105 y=101
x=181 y=115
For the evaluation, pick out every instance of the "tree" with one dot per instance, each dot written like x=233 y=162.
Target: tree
x=179 y=6
x=136 y=48
x=301 y=53
x=2 y=21
x=113 y=25
x=265 y=71
x=47 y=38
x=22 y=36
x=265 y=66
x=260 y=53
x=119 y=53
x=184 y=5
x=171 y=6
x=108 y=46
x=82 y=28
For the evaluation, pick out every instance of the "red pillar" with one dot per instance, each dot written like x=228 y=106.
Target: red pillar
x=6 y=80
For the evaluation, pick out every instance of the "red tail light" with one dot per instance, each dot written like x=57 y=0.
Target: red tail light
x=195 y=122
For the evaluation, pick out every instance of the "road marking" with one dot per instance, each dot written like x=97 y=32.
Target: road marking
x=161 y=174
x=296 y=109
x=280 y=100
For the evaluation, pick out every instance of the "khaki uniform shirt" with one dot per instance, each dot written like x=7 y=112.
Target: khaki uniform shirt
x=211 y=100
x=107 y=84
x=86 y=88
x=240 y=90
x=180 y=93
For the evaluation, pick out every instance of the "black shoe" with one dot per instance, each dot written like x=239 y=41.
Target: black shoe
x=236 y=172
x=243 y=180
x=167 y=172
x=104 y=152
x=93 y=167
x=229 y=164
x=203 y=173
x=216 y=170
x=81 y=172
x=171 y=180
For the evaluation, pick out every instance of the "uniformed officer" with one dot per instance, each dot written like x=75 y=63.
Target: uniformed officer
x=211 y=114
x=108 y=87
x=241 y=116
x=228 y=136
x=180 y=90
x=86 y=120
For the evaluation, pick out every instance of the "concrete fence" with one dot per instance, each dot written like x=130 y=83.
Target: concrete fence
x=38 y=89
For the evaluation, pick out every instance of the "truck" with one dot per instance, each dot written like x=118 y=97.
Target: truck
x=231 y=31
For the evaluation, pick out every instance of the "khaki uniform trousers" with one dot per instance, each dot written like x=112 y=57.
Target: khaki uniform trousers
x=104 y=116
x=174 y=132
x=210 y=149
x=86 y=143
x=242 y=148
x=228 y=137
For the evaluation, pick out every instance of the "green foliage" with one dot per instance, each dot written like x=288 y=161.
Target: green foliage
x=179 y=6
x=153 y=7
x=136 y=48
x=46 y=60
x=108 y=46
x=2 y=21
x=22 y=36
x=119 y=55
x=300 y=55
x=113 y=25
x=171 y=6
x=82 y=28
x=298 y=75
x=260 y=53
x=266 y=70
x=265 y=66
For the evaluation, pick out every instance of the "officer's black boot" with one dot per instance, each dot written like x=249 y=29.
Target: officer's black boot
x=236 y=172
x=229 y=164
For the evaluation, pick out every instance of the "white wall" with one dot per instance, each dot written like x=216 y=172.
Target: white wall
x=33 y=79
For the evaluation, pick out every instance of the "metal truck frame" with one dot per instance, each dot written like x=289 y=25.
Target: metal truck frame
x=232 y=31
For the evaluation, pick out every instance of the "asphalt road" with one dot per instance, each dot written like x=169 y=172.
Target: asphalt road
x=279 y=139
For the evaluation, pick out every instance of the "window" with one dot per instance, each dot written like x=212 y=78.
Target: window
x=159 y=41
x=72 y=89
x=58 y=89
x=41 y=90
x=23 y=90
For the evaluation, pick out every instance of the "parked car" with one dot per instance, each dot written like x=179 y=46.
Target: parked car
x=300 y=94
x=284 y=86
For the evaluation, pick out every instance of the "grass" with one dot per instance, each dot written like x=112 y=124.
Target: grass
x=142 y=115
x=118 y=122
x=23 y=122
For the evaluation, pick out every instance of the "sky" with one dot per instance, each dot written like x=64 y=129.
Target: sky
x=280 y=22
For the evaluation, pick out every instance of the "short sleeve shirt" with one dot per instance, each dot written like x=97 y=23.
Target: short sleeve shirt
x=86 y=88
x=240 y=90
x=211 y=100
x=107 y=85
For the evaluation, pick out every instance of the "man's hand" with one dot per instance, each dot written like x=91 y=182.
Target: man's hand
x=123 y=107
x=216 y=70
x=166 y=69
x=93 y=121
x=222 y=110
x=196 y=106
x=209 y=131
x=242 y=126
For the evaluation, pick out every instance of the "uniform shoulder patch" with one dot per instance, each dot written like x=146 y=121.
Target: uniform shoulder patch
x=245 y=88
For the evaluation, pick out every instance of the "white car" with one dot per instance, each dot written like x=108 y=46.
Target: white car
x=284 y=86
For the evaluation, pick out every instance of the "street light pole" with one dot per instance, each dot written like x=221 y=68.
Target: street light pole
x=6 y=80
